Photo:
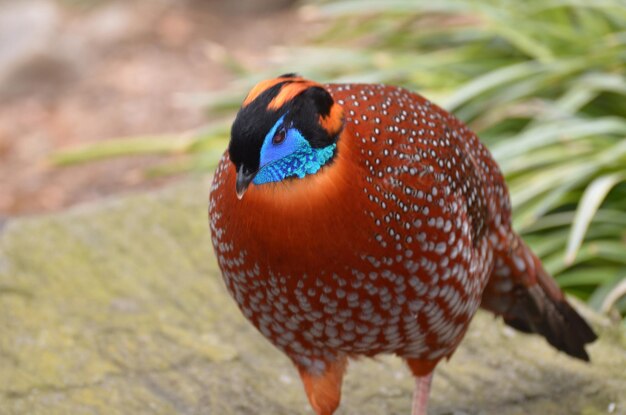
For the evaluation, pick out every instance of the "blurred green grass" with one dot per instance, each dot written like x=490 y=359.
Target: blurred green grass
x=543 y=82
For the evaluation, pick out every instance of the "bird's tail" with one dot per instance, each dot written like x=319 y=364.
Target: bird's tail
x=529 y=300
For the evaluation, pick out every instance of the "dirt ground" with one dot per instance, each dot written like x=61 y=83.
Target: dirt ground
x=81 y=71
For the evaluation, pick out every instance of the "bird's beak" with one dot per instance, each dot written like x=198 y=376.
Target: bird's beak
x=243 y=181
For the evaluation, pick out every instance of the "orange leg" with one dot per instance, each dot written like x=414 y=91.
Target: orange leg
x=324 y=391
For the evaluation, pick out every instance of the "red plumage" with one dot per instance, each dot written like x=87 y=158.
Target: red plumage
x=390 y=248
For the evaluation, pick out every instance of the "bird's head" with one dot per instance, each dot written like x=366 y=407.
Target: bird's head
x=286 y=128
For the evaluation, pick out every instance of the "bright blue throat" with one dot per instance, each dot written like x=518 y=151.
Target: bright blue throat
x=303 y=161
x=286 y=153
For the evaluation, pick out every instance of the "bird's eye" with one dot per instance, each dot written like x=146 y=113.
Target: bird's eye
x=280 y=135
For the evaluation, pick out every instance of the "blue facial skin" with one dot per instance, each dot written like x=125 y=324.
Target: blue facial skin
x=294 y=157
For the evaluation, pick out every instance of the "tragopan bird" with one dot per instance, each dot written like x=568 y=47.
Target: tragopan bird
x=355 y=219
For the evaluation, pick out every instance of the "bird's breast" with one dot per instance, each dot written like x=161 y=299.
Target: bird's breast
x=297 y=225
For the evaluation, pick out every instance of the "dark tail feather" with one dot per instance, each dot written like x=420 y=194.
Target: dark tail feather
x=556 y=320
x=529 y=300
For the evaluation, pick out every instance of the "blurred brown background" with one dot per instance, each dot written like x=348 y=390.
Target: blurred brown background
x=80 y=71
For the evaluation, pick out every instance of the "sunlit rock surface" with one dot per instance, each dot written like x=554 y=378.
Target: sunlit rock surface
x=119 y=308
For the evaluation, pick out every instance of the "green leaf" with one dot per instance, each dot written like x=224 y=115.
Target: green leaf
x=491 y=80
x=587 y=276
x=614 y=295
x=589 y=204
x=162 y=144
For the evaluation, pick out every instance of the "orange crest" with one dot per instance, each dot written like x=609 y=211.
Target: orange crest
x=292 y=86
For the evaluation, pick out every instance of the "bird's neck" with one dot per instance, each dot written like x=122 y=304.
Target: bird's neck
x=294 y=215
x=303 y=162
x=318 y=179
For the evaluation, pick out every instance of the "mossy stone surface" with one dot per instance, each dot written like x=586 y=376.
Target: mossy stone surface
x=119 y=308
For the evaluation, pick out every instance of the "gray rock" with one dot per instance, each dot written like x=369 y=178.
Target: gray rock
x=119 y=308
